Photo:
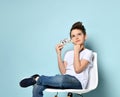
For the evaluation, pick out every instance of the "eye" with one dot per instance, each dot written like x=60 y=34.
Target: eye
x=79 y=33
x=72 y=36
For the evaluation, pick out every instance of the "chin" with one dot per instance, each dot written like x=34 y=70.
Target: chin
x=77 y=43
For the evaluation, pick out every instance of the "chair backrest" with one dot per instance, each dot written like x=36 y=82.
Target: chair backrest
x=93 y=79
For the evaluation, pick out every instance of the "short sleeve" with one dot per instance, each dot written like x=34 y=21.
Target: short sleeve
x=88 y=56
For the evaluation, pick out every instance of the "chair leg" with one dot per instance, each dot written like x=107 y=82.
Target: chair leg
x=69 y=94
x=56 y=95
x=80 y=95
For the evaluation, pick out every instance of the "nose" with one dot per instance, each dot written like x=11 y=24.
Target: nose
x=76 y=37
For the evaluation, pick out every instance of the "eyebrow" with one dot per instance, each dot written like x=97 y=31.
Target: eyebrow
x=77 y=33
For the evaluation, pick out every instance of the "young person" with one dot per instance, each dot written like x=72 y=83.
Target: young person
x=74 y=68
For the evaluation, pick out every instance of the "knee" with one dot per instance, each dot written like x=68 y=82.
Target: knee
x=38 y=90
x=35 y=89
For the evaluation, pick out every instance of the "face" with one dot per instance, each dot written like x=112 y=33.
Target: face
x=77 y=37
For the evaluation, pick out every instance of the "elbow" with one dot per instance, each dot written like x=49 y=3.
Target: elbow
x=63 y=72
x=78 y=71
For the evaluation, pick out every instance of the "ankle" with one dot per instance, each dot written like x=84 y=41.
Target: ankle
x=36 y=78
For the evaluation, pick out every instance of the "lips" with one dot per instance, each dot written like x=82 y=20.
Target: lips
x=77 y=41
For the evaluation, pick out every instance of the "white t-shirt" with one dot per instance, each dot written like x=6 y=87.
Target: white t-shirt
x=83 y=77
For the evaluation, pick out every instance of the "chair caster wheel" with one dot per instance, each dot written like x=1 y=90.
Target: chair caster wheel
x=69 y=94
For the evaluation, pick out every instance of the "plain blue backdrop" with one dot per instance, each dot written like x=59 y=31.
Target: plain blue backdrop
x=30 y=29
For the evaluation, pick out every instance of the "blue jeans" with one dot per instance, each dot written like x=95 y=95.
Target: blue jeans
x=58 y=82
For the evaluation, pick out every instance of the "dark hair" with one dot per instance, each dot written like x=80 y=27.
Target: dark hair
x=79 y=26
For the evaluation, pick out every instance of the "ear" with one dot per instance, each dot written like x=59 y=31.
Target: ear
x=85 y=37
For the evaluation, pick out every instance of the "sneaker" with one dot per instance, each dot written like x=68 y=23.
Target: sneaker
x=28 y=81
x=34 y=76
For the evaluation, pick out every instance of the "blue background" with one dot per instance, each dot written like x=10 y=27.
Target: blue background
x=30 y=29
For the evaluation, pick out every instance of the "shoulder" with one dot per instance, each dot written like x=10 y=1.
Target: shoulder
x=70 y=52
x=88 y=55
x=68 y=55
x=87 y=51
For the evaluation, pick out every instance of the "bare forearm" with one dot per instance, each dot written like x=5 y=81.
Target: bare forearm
x=77 y=63
x=61 y=64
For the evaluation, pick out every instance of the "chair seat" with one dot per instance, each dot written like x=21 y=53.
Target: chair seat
x=78 y=91
x=93 y=81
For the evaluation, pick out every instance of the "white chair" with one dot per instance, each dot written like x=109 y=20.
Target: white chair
x=92 y=85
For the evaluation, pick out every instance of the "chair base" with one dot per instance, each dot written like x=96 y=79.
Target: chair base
x=70 y=94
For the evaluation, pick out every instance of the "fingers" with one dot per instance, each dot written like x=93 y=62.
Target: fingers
x=59 y=46
x=78 y=48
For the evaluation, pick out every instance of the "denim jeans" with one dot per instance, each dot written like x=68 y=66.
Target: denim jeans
x=58 y=82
